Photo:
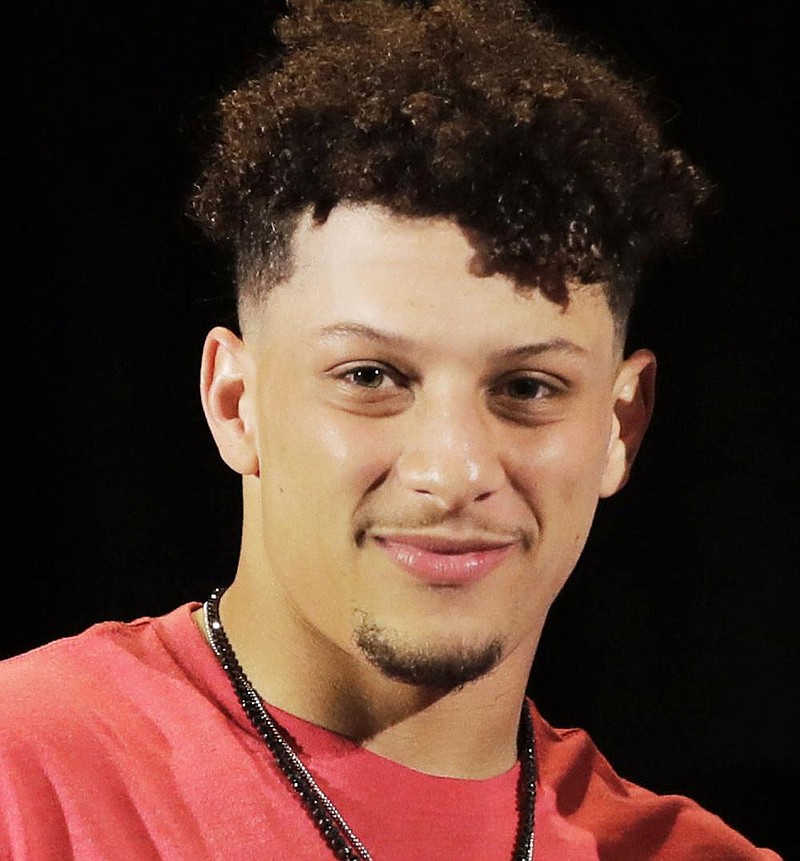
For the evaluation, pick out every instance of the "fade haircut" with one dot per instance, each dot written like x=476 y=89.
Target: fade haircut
x=473 y=110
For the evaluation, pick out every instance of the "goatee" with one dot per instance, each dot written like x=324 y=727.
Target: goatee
x=426 y=666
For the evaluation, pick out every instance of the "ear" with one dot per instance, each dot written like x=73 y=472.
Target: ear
x=634 y=392
x=226 y=369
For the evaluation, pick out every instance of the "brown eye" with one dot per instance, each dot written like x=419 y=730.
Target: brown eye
x=525 y=388
x=368 y=376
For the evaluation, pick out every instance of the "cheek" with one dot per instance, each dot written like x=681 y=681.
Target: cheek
x=359 y=453
x=323 y=454
x=565 y=465
x=347 y=447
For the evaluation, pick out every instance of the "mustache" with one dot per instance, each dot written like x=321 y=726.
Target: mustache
x=366 y=523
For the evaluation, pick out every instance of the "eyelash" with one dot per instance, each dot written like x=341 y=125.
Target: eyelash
x=544 y=389
x=349 y=374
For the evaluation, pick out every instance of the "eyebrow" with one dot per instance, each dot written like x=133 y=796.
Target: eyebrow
x=361 y=330
x=382 y=336
x=554 y=345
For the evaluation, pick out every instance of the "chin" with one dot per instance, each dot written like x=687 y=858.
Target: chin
x=425 y=663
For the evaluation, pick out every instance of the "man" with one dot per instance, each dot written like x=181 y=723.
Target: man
x=438 y=214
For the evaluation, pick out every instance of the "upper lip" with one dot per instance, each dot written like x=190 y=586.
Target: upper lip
x=437 y=542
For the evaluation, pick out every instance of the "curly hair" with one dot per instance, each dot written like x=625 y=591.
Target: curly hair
x=473 y=110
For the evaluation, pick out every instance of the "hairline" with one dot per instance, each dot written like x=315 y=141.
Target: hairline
x=254 y=283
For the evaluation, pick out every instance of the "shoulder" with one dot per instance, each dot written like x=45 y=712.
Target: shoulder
x=100 y=733
x=627 y=822
x=66 y=686
x=88 y=719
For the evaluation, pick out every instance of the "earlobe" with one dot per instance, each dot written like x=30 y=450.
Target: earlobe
x=224 y=393
x=634 y=393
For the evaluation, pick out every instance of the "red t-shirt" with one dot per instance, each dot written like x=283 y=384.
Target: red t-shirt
x=127 y=742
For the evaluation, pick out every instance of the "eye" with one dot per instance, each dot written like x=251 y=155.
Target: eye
x=527 y=397
x=370 y=388
x=370 y=380
x=368 y=376
x=524 y=388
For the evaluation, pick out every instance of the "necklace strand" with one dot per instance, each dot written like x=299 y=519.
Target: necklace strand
x=332 y=826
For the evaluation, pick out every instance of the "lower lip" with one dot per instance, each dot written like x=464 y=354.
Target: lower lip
x=445 y=569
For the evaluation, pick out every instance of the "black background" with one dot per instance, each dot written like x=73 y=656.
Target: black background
x=675 y=641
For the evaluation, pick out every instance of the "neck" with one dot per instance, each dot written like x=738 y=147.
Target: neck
x=470 y=732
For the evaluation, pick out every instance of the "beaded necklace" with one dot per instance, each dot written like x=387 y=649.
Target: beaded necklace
x=332 y=826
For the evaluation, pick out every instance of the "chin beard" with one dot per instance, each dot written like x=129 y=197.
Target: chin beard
x=443 y=670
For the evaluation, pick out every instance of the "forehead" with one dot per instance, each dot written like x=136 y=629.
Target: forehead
x=368 y=267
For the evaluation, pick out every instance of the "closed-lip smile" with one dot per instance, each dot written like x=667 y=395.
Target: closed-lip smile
x=445 y=559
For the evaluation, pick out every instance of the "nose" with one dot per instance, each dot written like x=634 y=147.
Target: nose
x=451 y=451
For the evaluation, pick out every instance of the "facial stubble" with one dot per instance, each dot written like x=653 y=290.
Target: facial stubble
x=424 y=665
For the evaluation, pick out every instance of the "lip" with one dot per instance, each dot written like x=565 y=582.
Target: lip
x=445 y=560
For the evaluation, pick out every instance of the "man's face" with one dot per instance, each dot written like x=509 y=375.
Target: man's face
x=431 y=446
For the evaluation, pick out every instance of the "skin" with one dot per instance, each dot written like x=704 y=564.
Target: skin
x=383 y=403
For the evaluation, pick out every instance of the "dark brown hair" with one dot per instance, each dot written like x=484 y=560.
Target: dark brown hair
x=474 y=110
